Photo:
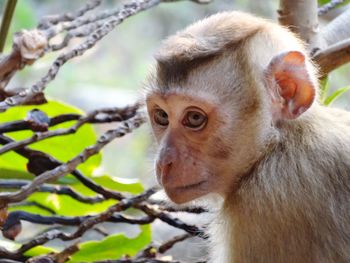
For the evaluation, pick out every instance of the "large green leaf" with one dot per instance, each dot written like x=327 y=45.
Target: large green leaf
x=61 y=147
x=112 y=247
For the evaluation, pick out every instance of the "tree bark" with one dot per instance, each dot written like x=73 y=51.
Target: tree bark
x=301 y=17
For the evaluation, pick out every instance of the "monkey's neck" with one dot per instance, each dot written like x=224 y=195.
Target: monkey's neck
x=293 y=206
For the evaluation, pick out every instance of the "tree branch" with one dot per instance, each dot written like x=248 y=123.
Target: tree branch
x=51 y=20
x=302 y=18
x=16 y=216
x=338 y=29
x=53 y=189
x=122 y=115
x=170 y=243
x=333 y=57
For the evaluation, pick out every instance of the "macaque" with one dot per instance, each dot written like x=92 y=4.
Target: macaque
x=233 y=104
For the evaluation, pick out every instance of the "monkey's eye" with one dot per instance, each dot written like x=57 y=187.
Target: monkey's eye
x=195 y=120
x=160 y=117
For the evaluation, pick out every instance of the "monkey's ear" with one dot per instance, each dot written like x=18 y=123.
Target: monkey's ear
x=290 y=84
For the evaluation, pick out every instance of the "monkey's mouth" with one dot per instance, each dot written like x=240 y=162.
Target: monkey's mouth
x=189 y=186
x=180 y=194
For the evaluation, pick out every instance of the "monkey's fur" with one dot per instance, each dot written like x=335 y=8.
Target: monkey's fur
x=288 y=198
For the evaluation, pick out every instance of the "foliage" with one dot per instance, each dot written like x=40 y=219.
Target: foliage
x=13 y=166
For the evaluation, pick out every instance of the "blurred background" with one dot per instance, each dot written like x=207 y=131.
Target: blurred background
x=113 y=73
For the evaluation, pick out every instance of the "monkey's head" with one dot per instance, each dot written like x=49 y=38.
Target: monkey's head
x=219 y=90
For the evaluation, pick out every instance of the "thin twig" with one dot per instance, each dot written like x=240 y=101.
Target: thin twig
x=54 y=189
x=17 y=216
x=48 y=21
x=124 y=114
x=170 y=243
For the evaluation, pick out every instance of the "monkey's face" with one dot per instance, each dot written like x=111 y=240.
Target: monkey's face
x=195 y=154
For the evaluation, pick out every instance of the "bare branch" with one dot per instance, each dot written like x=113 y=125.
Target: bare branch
x=54 y=189
x=170 y=243
x=123 y=114
x=16 y=216
x=48 y=21
x=167 y=218
x=338 y=29
x=28 y=46
x=64 y=255
x=333 y=57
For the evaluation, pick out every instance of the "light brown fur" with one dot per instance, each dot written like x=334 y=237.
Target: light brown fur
x=285 y=183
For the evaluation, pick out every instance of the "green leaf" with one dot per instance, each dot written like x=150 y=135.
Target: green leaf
x=39 y=250
x=336 y=94
x=112 y=247
x=132 y=186
x=323 y=2
x=62 y=147
x=13 y=174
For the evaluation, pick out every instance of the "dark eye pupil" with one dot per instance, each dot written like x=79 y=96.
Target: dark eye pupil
x=195 y=119
x=161 y=117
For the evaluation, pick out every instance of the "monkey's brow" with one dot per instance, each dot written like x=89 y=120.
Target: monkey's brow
x=175 y=71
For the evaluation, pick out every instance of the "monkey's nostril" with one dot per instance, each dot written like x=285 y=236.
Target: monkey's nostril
x=165 y=169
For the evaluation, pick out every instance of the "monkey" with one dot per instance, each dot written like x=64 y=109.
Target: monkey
x=233 y=103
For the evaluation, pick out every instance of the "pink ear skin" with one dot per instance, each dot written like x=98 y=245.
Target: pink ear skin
x=290 y=87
